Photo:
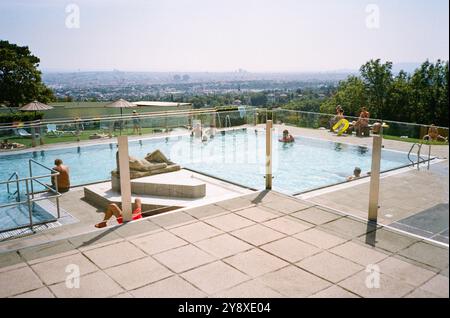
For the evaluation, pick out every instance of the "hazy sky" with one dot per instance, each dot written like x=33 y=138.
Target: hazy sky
x=224 y=35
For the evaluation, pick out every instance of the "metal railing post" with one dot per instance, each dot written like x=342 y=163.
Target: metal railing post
x=31 y=176
x=30 y=208
x=375 y=179
x=269 y=155
x=429 y=155
x=418 y=156
x=18 y=188
x=57 y=198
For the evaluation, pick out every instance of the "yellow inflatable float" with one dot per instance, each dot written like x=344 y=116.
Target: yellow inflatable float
x=341 y=126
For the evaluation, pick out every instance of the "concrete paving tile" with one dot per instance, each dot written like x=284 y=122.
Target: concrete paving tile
x=249 y=289
x=229 y=222
x=359 y=253
x=46 y=250
x=172 y=219
x=196 y=231
x=288 y=225
x=235 y=204
x=43 y=292
x=158 y=242
x=115 y=254
x=138 y=273
x=257 y=214
x=94 y=285
x=12 y=267
x=319 y=238
x=389 y=287
x=172 y=287
x=184 y=258
x=405 y=271
x=287 y=206
x=264 y=196
x=334 y=292
x=95 y=239
x=123 y=295
x=136 y=228
x=255 y=262
x=315 y=215
x=290 y=249
x=437 y=285
x=293 y=282
x=54 y=271
x=348 y=227
x=206 y=211
x=257 y=234
x=9 y=259
x=428 y=254
x=419 y=293
x=329 y=266
x=223 y=246
x=215 y=277
x=18 y=281
x=387 y=240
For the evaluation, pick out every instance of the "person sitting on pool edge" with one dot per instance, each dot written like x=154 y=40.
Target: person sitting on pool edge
x=286 y=137
x=356 y=174
x=63 y=177
x=113 y=209
x=433 y=135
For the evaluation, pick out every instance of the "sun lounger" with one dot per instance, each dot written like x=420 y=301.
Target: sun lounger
x=25 y=134
x=52 y=131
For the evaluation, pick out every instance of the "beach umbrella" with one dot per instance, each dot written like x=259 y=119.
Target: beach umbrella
x=35 y=107
x=121 y=103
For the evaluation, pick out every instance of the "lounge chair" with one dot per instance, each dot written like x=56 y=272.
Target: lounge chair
x=52 y=131
x=25 y=134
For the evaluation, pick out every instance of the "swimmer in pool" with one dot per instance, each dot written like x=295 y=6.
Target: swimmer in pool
x=286 y=137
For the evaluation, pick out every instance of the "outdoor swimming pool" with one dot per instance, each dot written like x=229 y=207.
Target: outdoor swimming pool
x=236 y=156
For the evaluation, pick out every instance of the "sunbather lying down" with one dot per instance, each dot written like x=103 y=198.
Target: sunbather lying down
x=113 y=209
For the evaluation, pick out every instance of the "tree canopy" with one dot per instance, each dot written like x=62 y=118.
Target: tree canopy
x=20 y=79
x=421 y=97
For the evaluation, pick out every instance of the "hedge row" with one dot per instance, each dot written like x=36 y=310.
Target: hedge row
x=20 y=116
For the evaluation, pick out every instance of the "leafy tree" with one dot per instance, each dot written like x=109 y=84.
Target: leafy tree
x=351 y=95
x=377 y=80
x=20 y=80
x=429 y=85
x=400 y=99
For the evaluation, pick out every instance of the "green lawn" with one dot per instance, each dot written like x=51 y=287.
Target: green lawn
x=414 y=140
x=84 y=135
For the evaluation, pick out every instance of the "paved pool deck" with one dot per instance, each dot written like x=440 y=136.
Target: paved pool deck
x=264 y=244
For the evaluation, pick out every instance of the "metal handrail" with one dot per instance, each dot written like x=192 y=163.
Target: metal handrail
x=419 y=158
x=30 y=191
x=16 y=175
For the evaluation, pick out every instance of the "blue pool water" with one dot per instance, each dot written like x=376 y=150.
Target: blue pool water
x=237 y=156
x=18 y=216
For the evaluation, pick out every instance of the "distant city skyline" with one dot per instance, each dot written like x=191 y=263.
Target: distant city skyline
x=224 y=36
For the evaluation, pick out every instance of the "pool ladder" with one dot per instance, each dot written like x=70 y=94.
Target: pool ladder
x=30 y=193
x=8 y=188
x=419 y=158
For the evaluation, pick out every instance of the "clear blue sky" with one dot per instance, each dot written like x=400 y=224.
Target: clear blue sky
x=224 y=35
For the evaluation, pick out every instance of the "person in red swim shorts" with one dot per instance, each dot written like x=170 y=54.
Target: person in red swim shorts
x=113 y=209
